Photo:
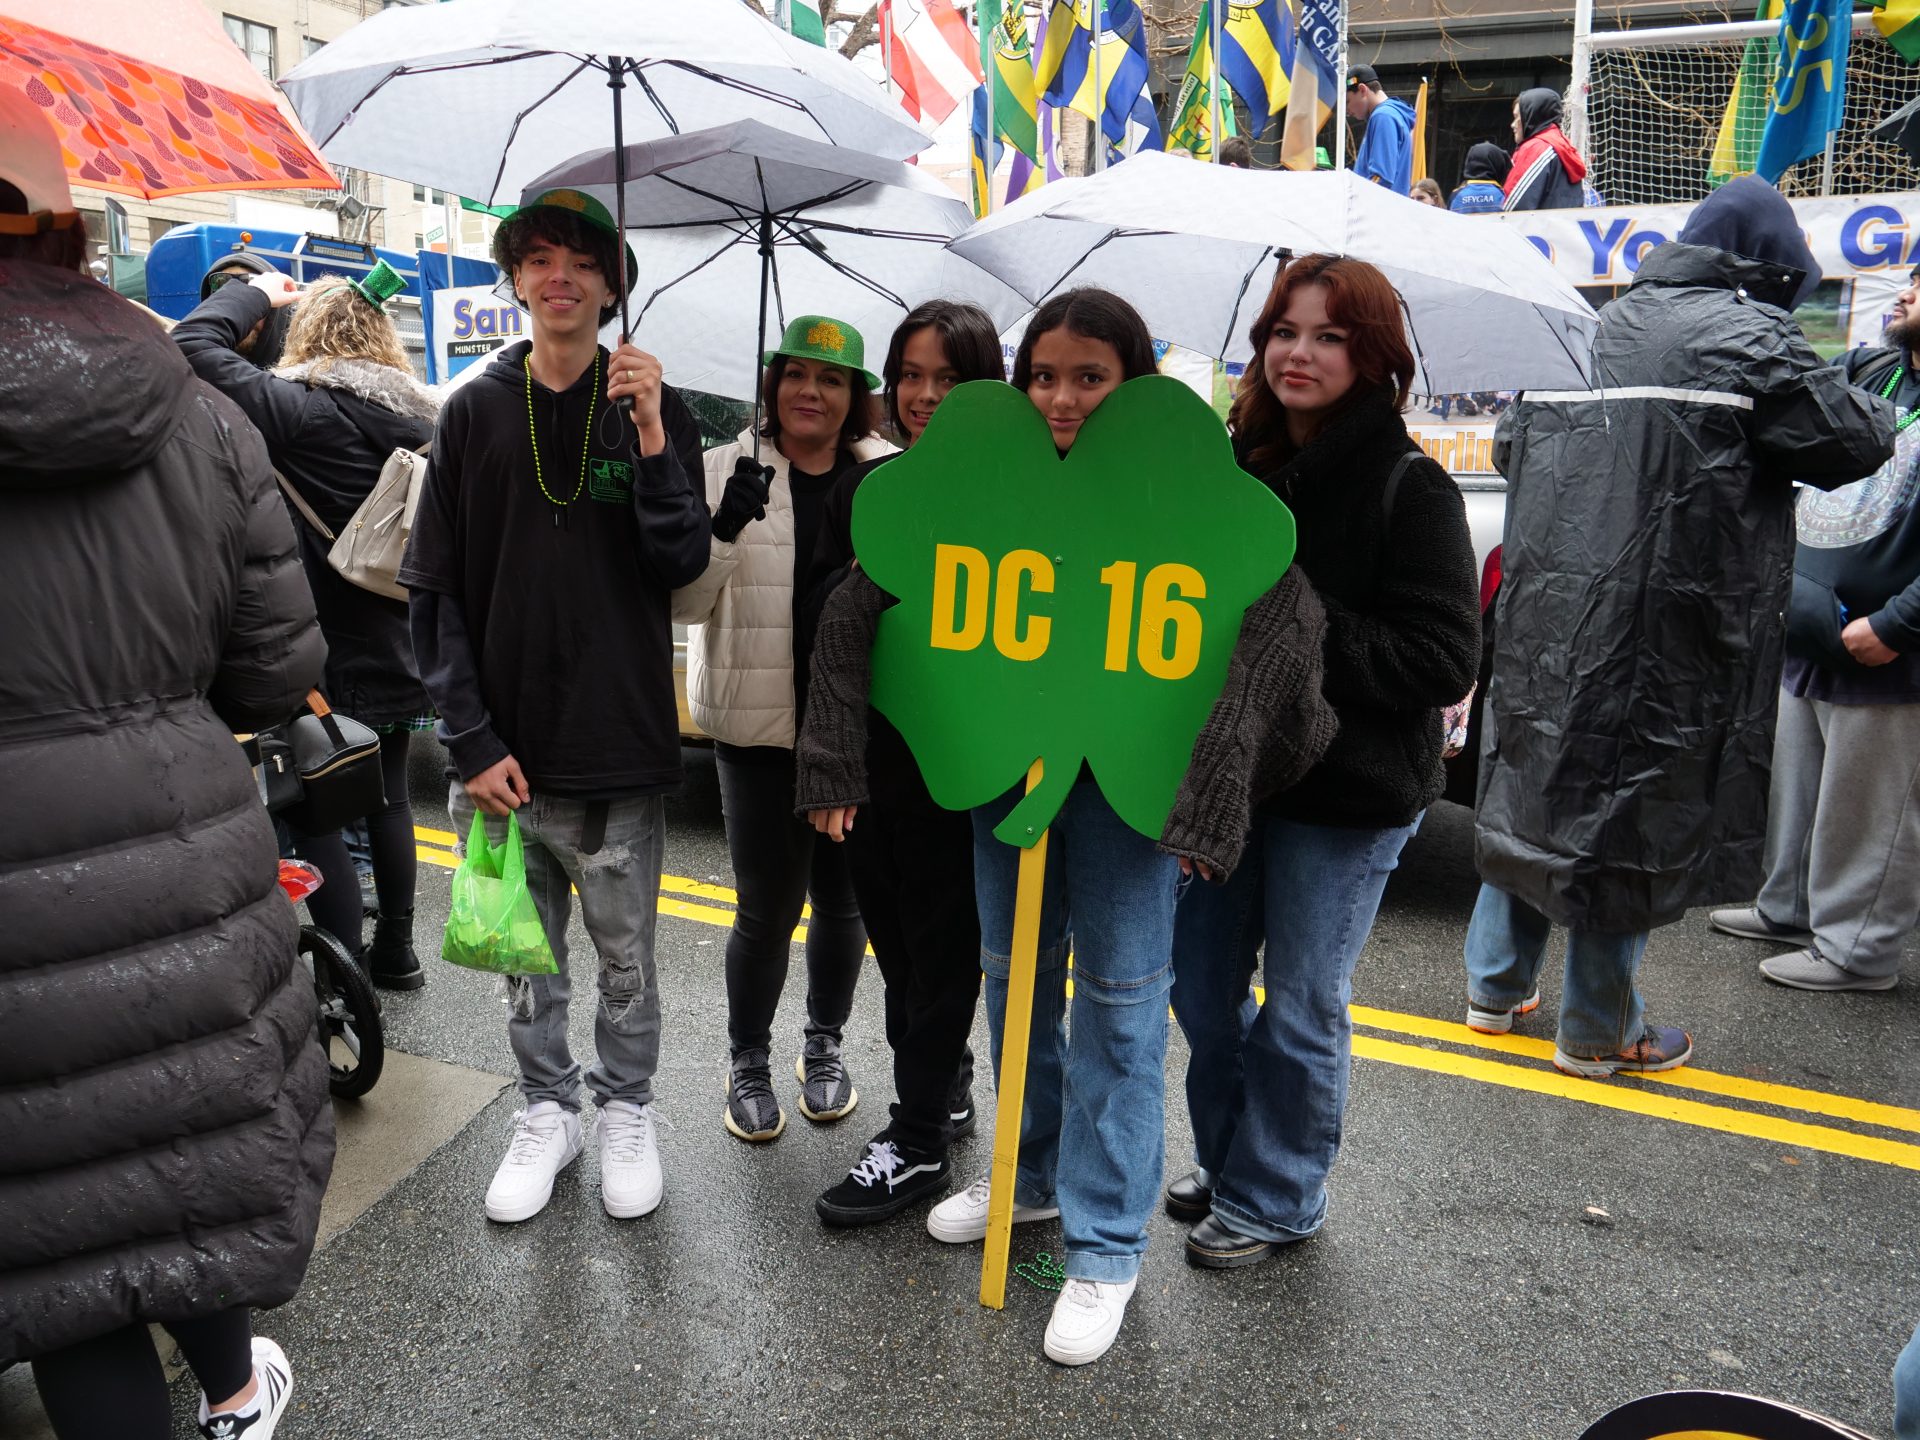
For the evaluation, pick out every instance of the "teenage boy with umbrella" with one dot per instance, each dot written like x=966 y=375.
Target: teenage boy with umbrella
x=552 y=529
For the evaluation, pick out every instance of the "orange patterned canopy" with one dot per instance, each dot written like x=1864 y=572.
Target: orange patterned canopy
x=147 y=130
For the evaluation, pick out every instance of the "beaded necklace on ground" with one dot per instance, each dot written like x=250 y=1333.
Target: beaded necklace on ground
x=1906 y=420
x=586 y=440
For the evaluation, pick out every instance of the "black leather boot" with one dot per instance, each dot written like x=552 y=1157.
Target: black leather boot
x=391 y=963
x=1187 y=1199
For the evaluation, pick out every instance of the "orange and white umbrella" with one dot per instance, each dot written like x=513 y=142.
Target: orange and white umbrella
x=150 y=98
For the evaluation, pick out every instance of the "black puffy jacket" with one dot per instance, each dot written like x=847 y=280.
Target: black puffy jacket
x=165 y=1135
x=1649 y=544
x=328 y=429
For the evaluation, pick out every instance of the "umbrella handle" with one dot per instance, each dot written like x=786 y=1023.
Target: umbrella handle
x=617 y=82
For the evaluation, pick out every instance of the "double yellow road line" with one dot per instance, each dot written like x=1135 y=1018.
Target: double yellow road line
x=1756 y=1109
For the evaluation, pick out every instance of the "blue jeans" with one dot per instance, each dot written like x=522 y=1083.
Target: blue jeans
x=1267 y=1084
x=1906 y=1391
x=1600 y=1011
x=1093 y=1130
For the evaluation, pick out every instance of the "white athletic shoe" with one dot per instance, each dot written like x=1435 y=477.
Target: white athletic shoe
x=546 y=1139
x=256 y=1419
x=630 y=1180
x=1086 y=1320
x=961 y=1219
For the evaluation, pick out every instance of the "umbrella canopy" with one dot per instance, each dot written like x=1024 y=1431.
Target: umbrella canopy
x=479 y=96
x=1196 y=248
x=1902 y=128
x=150 y=98
x=744 y=211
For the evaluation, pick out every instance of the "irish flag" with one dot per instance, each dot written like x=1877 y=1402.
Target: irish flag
x=931 y=54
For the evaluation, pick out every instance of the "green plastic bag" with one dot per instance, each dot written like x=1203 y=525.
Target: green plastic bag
x=492 y=924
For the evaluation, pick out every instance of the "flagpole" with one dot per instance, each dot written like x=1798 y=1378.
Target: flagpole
x=1340 y=97
x=886 y=44
x=1099 y=93
x=1213 y=85
x=986 y=68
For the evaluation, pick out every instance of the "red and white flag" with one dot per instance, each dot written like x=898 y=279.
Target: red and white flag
x=933 y=56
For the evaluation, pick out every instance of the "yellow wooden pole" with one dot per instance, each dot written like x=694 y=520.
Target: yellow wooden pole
x=1010 y=1099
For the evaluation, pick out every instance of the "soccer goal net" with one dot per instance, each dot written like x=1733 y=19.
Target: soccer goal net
x=1655 y=123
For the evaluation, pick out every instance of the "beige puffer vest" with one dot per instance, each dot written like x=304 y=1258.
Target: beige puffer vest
x=740 y=612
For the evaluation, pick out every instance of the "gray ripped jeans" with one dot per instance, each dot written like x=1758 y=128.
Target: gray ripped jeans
x=619 y=886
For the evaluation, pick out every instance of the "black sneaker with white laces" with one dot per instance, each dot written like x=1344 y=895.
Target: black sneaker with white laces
x=886 y=1181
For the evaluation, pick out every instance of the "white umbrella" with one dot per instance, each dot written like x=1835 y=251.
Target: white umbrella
x=743 y=210
x=477 y=97
x=1196 y=247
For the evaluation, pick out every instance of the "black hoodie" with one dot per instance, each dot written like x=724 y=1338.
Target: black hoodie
x=542 y=630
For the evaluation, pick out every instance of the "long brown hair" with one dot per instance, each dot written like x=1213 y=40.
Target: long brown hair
x=1361 y=301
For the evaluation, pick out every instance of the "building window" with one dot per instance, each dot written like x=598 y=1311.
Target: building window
x=255 y=40
x=419 y=241
x=156 y=227
x=309 y=47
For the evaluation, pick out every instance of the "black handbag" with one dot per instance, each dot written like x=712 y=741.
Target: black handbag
x=339 y=763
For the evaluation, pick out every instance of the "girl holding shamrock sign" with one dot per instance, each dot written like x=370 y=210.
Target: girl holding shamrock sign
x=746 y=678
x=1383 y=539
x=912 y=861
x=1093 y=1122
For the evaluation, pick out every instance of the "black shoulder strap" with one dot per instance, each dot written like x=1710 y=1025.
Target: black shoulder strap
x=1393 y=485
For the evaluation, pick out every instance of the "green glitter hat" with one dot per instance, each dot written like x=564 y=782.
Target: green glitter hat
x=593 y=212
x=818 y=337
x=380 y=285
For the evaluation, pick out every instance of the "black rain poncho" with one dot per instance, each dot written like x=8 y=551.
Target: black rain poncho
x=1648 y=554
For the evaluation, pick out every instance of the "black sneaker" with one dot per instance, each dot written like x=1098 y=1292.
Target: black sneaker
x=885 y=1182
x=752 y=1113
x=962 y=1119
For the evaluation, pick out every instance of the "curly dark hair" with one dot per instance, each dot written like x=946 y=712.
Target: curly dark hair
x=550 y=225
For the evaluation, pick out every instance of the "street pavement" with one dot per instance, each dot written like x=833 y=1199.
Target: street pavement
x=1509 y=1254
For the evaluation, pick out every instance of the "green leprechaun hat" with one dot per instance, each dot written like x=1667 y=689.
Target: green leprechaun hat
x=818 y=337
x=380 y=285
x=591 y=211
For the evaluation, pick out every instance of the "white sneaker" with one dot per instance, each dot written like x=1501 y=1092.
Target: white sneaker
x=1086 y=1320
x=256 y=1419
x=630 y=1181
x=546 y=1139
x=961 y=1219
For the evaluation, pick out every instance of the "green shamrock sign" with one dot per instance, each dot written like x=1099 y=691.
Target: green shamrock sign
x=1064 y=608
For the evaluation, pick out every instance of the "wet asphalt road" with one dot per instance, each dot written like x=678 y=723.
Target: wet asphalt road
x=1461 y=1288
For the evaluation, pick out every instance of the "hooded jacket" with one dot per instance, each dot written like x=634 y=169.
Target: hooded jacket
x=329 y=429
x=1648 y=547
x=1386 y=150
x=1483 y=179
x=1547 y=171
x=165 y=1132
x=267 y=349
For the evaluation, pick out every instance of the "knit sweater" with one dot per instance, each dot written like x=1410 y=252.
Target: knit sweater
x=1270 y=726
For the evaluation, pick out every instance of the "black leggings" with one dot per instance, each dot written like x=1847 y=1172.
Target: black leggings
x=112 y=1387
x=335 y=906
x=779 y=866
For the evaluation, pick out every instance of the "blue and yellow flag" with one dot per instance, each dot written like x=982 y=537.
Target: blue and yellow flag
x=1809 y=84
x=1256 y=58
x=1067 y=70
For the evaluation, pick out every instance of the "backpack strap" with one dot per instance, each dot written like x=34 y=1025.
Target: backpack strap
x=1392 y=488
x=300 y=504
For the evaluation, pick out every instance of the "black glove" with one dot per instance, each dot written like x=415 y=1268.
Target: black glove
x=744 y=499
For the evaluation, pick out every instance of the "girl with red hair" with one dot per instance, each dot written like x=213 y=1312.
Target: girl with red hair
x=1383 y=540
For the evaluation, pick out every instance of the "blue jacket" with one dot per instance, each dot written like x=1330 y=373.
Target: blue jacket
x=1478 y=197
x=1386 y=151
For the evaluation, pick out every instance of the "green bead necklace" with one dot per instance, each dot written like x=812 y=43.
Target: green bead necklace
x=586 y=439
x=1906 y=420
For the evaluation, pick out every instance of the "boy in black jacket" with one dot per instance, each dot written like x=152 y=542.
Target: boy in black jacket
x=550 y=533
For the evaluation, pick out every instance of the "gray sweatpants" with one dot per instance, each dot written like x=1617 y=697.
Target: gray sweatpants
x=619 y=887
x=1843 y=830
